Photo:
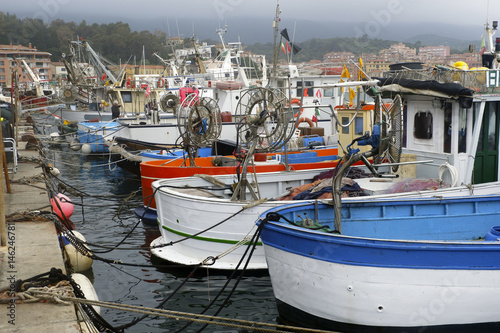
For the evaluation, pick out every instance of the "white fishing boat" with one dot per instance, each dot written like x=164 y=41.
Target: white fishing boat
x=440 y=135
x=200 y=224
x=411 y=265
x=405 y=265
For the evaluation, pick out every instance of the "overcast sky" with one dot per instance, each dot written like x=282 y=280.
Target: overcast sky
x=372 y=14
x=359 y=10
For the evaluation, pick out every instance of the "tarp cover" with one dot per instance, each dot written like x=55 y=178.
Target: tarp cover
x=419 y=87
x=452 y=89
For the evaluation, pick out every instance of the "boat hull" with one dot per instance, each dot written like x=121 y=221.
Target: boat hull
x=154 y=170
x=349 y=283
x=202 y=227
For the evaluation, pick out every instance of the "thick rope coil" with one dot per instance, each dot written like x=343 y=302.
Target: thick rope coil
x=54 y=293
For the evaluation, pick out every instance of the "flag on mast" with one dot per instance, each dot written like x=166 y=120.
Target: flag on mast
x=284 y=33
x=283 y=48
x=361 y=73
x=482 y=48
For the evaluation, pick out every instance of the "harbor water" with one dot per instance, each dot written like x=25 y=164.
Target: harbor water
x=105 y=216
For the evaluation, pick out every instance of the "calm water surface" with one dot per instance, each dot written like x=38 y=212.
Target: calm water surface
x=107 y=220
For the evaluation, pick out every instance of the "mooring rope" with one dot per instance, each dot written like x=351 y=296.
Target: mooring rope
x=177 y=315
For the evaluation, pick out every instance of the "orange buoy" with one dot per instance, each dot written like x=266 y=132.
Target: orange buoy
x=62 y=206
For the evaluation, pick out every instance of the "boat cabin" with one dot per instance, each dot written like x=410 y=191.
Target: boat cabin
x=451 y=122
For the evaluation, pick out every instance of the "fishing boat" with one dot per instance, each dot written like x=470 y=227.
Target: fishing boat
x=407 y=265
x=261 y=99
x=199 y=223
x=404 y=265
x=93 y=136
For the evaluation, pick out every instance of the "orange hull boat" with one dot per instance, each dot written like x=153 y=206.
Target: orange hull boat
x=154 y=170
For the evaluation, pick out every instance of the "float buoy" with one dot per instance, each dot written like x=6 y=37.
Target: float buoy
x=461 y=65
x=88 y=291
x=86 y=149
x=78 y=261
x=54 y=171
x=64 y=203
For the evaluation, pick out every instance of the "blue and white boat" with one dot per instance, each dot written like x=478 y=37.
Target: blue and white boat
x=94 y=136
x=411 y=265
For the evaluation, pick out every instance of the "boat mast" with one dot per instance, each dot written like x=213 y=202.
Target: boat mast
x=275 y=26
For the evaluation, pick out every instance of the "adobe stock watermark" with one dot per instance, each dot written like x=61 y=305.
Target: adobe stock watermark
x=223 y=6
x=437 y=306
x=381 y=19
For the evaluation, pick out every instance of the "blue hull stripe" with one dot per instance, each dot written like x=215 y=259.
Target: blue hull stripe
x=390 y=252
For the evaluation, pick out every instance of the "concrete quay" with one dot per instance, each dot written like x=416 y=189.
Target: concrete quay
x=32 y=249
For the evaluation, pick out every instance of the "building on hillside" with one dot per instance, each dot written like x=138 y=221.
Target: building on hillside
x=38 y=62
x=376 y=67
x=473 y=60
x=432 y=52
x=338 y=57
x=368 y=56
x=397 y=53
x=149 y=70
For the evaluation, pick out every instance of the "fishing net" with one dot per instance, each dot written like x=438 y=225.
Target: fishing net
x=414 y=184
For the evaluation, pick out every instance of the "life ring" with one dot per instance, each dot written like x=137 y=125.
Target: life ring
x=307 y=120
x=160 y=83
x=296 y=101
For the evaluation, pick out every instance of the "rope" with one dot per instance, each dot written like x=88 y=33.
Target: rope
x=244 y=241
x=179 y=315
x=54 y=293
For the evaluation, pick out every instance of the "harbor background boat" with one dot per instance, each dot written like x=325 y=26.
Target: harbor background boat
x=104 y=220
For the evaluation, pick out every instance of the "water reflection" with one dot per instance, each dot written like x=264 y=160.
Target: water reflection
x=104 y=218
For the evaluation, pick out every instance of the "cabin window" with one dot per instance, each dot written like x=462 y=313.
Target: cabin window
x=127 y=97
x=345 y=121
x=422 y=128
x=307 y=91
x=328 y=92
x=462 y=132
x=358 y=126
x=492 y=133
x=281 y=84
x=447 y=128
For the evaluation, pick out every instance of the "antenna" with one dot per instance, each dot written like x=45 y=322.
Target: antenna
x=275 y=26
x=168 y=28
x=177 y=24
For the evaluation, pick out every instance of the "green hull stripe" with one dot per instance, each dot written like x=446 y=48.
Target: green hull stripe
x=206 y=239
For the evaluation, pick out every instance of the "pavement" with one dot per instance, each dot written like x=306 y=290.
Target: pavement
x=32 y=249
